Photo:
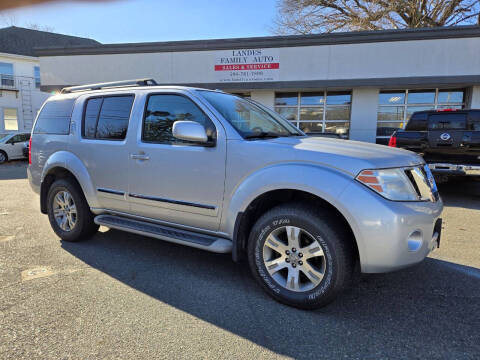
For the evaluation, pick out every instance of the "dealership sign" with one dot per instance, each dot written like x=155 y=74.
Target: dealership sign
x=247 y=65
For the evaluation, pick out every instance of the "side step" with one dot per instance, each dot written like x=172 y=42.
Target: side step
x=189 y=238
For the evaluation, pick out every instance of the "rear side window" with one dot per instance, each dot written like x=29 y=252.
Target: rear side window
x=107 y=117
x=55 y=117
x=448 y=121
x=418 y=122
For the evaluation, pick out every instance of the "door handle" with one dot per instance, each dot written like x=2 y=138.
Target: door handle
x=139 y=157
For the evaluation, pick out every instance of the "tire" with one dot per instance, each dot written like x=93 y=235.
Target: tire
x=83 y=225
x=3 y=157
x=319 y=233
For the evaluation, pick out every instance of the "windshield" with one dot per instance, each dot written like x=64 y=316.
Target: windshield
x=249 y=119
x=3 y=137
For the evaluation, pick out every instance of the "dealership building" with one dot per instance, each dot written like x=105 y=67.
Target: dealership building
x=360 y=85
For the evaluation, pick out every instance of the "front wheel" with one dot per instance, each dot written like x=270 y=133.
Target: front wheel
x=300 y=255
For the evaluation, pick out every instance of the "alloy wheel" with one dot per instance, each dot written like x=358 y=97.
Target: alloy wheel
x=64 y=210
x=294 y=259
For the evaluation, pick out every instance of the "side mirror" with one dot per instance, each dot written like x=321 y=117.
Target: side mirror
x=189 y=131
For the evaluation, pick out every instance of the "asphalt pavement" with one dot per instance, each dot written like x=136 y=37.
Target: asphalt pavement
x=123 y=296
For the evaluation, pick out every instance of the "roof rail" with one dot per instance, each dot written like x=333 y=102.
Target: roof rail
x=113 y=84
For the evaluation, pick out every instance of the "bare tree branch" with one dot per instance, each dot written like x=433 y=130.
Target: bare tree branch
x=314 y=16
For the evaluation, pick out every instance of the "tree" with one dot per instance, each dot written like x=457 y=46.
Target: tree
x=316 y=16
x=11 y=20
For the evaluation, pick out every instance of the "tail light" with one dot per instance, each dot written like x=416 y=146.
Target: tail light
x=30 y=151
x=393 y=141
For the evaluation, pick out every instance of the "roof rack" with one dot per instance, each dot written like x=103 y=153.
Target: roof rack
x=113 y=84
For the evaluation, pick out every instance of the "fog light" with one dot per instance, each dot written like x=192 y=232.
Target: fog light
x=415 y=240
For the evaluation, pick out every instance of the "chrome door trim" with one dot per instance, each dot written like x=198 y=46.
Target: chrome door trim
x=110 y=191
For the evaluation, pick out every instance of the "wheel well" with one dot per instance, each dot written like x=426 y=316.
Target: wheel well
x=53 y=175
x=6 y=155
x=271 y=199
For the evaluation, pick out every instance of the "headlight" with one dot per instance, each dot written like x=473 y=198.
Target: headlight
x=393 y=184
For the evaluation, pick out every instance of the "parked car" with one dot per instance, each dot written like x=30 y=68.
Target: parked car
x=448 y=140
x=214 y=171
x=11 y=146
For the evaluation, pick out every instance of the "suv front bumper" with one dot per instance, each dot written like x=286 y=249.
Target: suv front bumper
x=391 y=235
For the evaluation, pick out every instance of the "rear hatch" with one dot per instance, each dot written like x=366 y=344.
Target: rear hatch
x=453 y=137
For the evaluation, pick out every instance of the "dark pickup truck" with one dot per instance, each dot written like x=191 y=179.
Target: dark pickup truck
x=448 y=140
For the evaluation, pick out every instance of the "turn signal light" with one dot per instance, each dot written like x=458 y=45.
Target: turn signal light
x=370 y=179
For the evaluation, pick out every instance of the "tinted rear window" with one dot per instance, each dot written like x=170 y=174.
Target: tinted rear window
x=418 y=122
x=107 y=117
x=448 y=121
x=55 y=117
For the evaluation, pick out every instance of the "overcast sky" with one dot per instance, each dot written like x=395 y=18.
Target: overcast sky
x=150 y=20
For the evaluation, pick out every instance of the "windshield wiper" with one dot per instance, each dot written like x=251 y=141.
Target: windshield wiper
x=262 y=135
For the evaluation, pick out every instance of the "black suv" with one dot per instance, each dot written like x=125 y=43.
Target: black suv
x=449 y=140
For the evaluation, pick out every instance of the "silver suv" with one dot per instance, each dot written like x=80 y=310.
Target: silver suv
x=217 y=172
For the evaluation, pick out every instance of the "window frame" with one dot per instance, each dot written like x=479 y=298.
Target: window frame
x=406 y=105
x=3 y=117
x=8 y=77
x=324 y=106
x=85 y=103
x=210 y=143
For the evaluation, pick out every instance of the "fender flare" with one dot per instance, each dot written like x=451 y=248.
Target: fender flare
x=323 y=182
x=71 y=163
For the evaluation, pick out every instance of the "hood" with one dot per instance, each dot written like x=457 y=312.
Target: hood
x=349 y=156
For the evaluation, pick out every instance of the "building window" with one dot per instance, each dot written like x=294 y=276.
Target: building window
x=396 y=107
x=10 y=119
x=317 y=112
x=36 y=70
x=6 y=75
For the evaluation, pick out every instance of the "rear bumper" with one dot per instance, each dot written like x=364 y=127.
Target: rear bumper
x=31 y=179
x=391 y=235
x=454 y=169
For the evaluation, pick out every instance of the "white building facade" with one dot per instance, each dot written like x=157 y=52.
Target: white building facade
x=360 y=85
x=20 y=95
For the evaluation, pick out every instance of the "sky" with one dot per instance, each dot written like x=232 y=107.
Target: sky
x=150 y=20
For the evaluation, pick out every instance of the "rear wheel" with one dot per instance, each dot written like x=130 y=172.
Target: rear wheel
x=68 y=211
x=300 y=256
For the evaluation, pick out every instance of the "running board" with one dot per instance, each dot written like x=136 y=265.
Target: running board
x=183 y=237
